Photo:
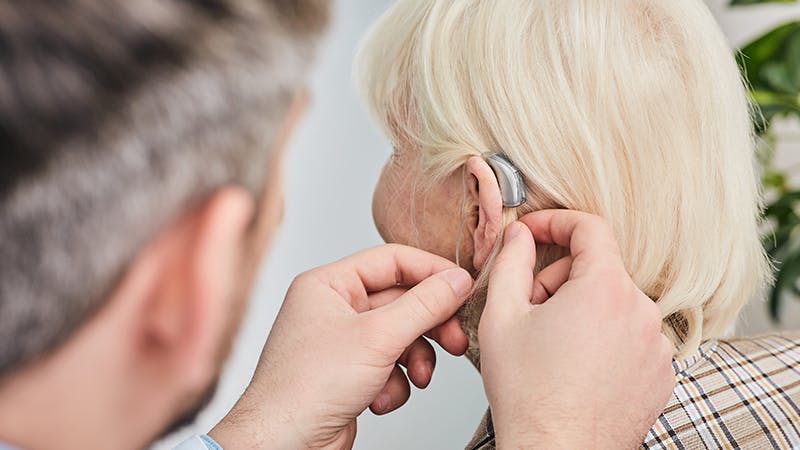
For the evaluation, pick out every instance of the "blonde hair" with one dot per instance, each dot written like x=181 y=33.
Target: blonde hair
x=633 y=110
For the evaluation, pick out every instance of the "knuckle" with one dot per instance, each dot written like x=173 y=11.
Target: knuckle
x=303 y=277
x=630 y=293
x=296 y=285
x=648 y=314
x=615 y=277
x=618 y=288
x=652 y=312
x=605 y=227
x=394 y=248
x=597 y=224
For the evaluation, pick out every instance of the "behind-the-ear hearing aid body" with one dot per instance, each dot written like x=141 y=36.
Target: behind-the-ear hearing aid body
x=512 y=188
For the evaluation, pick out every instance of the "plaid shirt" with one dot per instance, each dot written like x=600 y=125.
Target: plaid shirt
x=732 y=394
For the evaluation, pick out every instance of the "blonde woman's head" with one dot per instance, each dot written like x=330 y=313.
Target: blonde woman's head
x=633 y=110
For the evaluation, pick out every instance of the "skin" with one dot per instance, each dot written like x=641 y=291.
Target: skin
x=408 y=209
x=426 y=218
x=149 y=358
x=152 y=353
x=589 y=290
x=361 y=320
x=573 y=357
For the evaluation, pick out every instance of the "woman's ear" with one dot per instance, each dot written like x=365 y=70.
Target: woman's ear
x=485 y=192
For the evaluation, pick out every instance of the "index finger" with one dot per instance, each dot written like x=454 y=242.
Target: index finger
x=380 y=268
x=588 y=238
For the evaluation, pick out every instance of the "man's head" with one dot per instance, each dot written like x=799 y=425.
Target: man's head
x=139 y=177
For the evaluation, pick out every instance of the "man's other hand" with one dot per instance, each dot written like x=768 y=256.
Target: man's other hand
x=574 y=357
x=338 y=344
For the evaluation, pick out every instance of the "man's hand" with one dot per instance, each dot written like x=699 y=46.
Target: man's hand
x=338 y=343
x=575 y=357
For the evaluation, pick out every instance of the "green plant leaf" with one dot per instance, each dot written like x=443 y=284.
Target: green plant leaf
x=775 y=180
x=769 y=47
x=785 y=279
x=778 y=76
x=776 y=243
x=771 y=65
x=771 y=105
x=785 y=203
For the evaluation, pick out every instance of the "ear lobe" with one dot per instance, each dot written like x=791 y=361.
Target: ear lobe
x=490 y=210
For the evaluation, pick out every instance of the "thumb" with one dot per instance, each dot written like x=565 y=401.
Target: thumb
x=423 y=307
x=511 y=280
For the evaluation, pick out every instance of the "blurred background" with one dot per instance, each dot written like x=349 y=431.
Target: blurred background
x=334 y=162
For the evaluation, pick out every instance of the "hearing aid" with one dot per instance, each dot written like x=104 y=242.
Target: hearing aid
x=512 y=189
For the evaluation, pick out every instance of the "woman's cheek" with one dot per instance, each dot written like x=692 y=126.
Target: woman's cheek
x=386 y=213
x=379 y=210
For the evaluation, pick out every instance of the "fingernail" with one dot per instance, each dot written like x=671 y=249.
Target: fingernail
x=459 y=280
x=512 y=231
x=382 y=402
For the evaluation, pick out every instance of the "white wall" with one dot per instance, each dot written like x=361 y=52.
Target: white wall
x=333 y=164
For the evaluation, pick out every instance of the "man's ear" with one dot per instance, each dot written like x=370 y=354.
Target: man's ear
x=485 y=192
x=185 y=283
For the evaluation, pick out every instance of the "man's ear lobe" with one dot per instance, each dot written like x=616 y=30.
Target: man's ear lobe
x=189 y=305
x=490 y=209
